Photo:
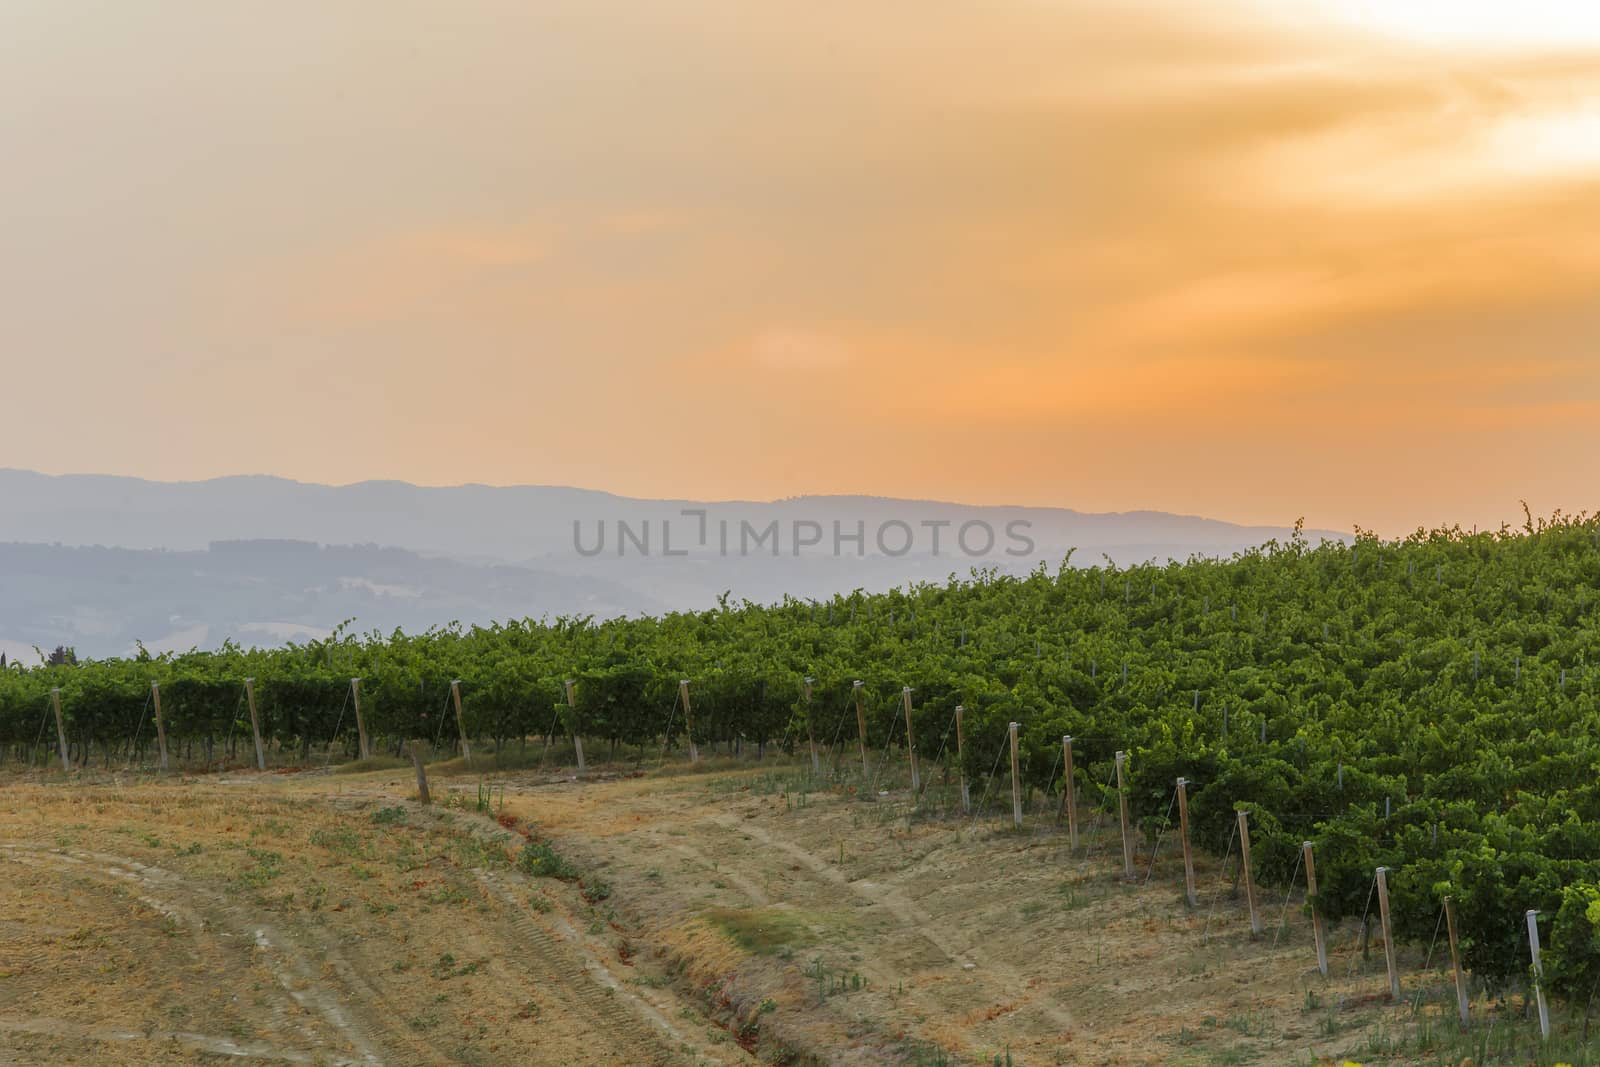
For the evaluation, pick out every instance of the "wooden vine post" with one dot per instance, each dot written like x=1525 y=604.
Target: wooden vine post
x=816 y=764
x=1388 y=932
x=861 y=727
x=1463 y=1003
x=1122 y=815
x=1069 y=792
x=461 y=726
x=961 y=762
x=363 y=746
x=1538 y=974
x=61 y=730
x=572 y=706
x=423 y=796
x=1016 y=779
x=1316 y=911
x=255 y=723
x=911 y=744
x=1244 y=867
x=161 y=726
x=1189 y=889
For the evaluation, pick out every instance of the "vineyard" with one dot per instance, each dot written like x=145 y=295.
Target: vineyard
x=1422 y=705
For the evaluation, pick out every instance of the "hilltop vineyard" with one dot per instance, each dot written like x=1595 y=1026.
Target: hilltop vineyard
x=1423 y=705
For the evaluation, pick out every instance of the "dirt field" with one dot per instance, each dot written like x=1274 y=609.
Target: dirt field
x=726 y=916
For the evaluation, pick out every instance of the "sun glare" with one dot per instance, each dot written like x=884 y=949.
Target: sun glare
x=1476 y=23
x=1545 y=143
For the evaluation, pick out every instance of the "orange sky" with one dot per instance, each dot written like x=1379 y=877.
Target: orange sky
x=1246 y=259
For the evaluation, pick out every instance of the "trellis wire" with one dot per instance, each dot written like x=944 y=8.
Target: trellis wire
x=988 y=784
x=1044 y=795
x=1364 y=913
x=1165 y=822
x=438 y=731
x=338 y=723
x=1222 y=873
x=666 y=738
x=939 y=756
x=1427 y=961
x=1283 y=915
x=835 y=750
x=232 y=722
x=38 y=742
x=877 y=775
x=549 y=735
x=1094 y=829
x=139 y=729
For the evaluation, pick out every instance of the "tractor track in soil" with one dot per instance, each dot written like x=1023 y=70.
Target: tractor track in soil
x=321 y=993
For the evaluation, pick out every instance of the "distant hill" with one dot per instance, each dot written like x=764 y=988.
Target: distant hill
x=99 y=561
x=103 y=600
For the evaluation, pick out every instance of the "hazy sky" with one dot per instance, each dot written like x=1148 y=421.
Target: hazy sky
x=1252 y=260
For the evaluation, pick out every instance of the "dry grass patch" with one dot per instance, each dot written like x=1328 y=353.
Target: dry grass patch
x=765 y=931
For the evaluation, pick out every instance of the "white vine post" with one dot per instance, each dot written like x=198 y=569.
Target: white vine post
x=1183 y=838
x=1122 y=814
x=1069 y=792
x=461 y=726
x=1016 y=779
x=911 y=745
x=961 y=762
x=61 y=730
x=1316 y=915
x=1463 y=1005
x=1388 y=932
x=362 y=746
x=816 y=764
x=161 y=726
x=1538 y=974
x=572 y=705
x=861 y=727
x=1244 y=867
x=255 y=723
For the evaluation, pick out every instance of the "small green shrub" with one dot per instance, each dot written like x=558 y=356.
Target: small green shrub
x=389 y=816
x=542 y=861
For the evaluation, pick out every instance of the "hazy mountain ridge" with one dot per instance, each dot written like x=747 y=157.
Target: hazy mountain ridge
x=103 y=600
x=98 y=561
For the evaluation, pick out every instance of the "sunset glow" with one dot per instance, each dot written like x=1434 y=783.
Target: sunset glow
x=1086 y=254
